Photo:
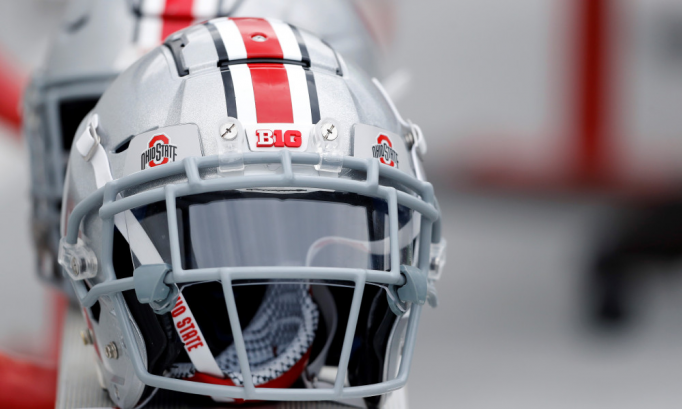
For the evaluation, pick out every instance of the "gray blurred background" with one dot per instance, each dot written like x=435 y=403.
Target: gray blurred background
x=490 y=82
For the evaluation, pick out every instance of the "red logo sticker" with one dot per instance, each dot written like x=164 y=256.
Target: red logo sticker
x=278 y=138
x=384 y=151
x=160 y=152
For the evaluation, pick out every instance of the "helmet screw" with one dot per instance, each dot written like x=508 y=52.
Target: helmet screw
x=228 y=131
x=75 y=266
x=259 y=38
x=111 y=351
x=329 y=131
x=86 y=336
x=409 y=138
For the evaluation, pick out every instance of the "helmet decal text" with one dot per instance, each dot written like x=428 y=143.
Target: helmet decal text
x=266 y=137
x=160 y=152
x=384 y=151
x=278 y=138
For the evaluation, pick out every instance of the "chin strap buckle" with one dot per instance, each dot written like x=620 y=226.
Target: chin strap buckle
x=150 y=288
x=414 y=291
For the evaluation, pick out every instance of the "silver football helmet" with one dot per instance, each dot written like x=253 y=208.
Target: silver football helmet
x=245 y=217
x=99 y=39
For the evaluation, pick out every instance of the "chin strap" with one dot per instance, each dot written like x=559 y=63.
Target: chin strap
x=90 y=148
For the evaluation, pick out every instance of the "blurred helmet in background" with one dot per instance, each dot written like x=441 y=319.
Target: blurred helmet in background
x=101 y=38
x=245 y=217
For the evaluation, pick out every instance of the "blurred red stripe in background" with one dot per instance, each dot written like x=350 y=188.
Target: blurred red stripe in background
x=12 y=83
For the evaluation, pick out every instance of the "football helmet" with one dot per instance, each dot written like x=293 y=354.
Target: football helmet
x=245 y=217
x=99 y=39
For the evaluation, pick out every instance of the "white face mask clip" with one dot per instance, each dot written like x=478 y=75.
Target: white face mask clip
x=89 y=140
x=231 y=141
x=327 y=136
x=78 y=260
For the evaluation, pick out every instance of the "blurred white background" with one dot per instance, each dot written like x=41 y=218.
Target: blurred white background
x=511 y=328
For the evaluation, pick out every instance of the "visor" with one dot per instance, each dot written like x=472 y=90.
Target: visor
x=247 y=229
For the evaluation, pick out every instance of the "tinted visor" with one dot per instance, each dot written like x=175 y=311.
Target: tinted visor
x=248 y=229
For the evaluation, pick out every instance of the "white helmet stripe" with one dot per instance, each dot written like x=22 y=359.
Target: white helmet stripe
x=232 y=38
x=205 y=8
x=300 y=100
x=153 y=7
x=287 y=40
x=149 y=32
x=243 y=93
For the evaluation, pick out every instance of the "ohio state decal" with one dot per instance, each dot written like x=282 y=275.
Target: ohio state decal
x=160 y=152
x=384 y=151
x=386 y=147
x=162 y=146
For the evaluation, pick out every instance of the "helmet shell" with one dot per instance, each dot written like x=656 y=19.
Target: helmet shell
x=98 y=39
x=184 y=83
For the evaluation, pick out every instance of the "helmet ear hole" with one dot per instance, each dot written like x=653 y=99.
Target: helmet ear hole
x=95 y=311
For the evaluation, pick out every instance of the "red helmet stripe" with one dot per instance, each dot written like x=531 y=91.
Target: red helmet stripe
x=264 y=92
x=271 y=93
x=171 y=25
x=178 y=8
x=259 y=28
x=177 y=14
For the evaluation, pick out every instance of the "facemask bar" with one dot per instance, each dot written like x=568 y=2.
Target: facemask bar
x=106 y=200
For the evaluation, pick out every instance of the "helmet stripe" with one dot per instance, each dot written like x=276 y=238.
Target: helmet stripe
x=230 y=100
x=192 y=9
x=312 y=95
x=149 y=32
x=178 y=8
x=272 y=93
x=161 y=18
x=171 y=25
x=217 y=40
x=260 y=39
x=305 y=57
x=231 y=39
x=152 y=7
x=245 y=100
x=287 y=40
x=300 y=101
x=257 y=38
x=206 y=8
x=259 y=92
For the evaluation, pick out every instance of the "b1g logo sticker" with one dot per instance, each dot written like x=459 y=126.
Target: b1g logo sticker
x=278 y=138
x=384 y=151
x=160 y=152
